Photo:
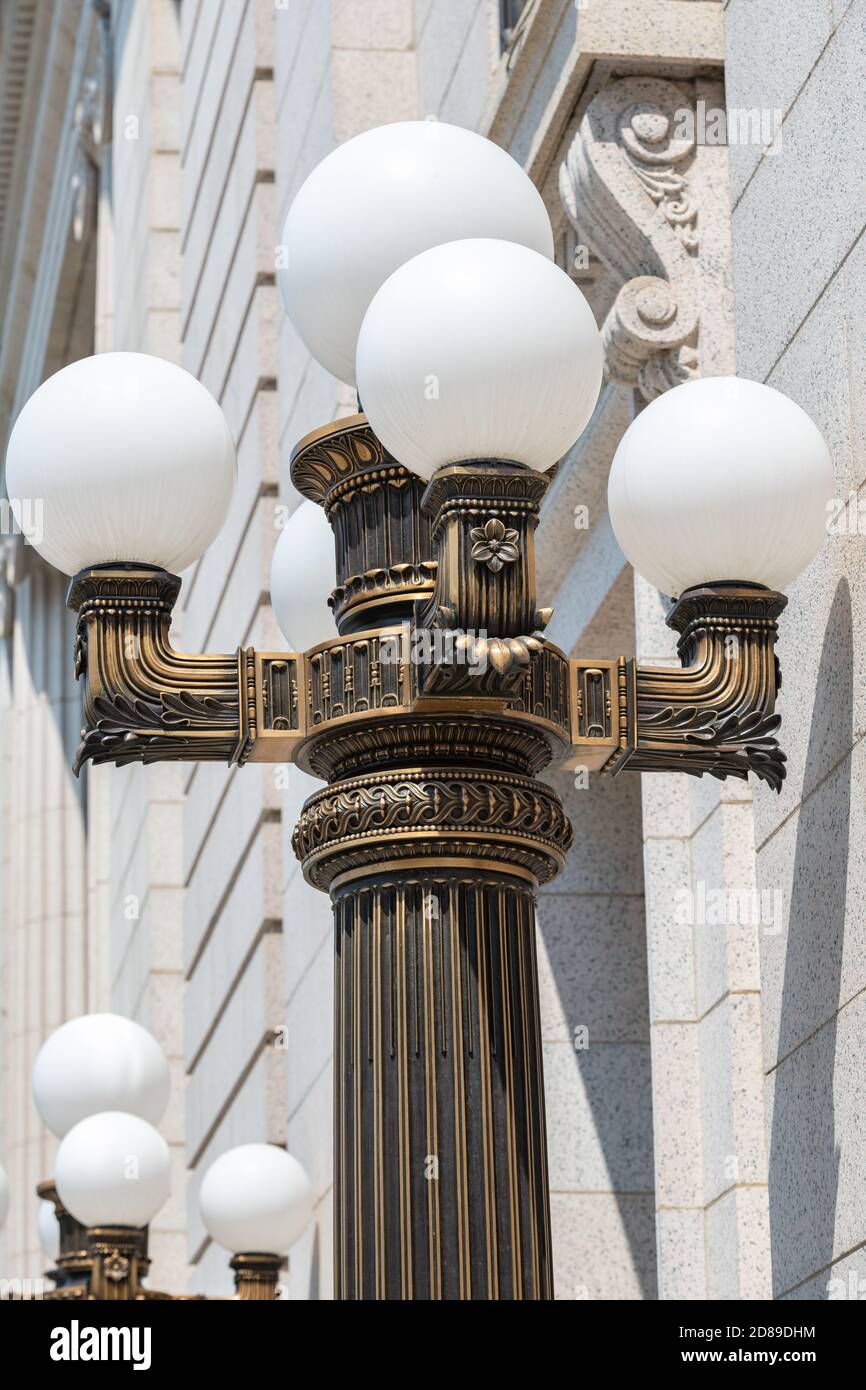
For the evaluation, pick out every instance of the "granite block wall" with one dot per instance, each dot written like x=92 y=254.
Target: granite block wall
x=799 y=261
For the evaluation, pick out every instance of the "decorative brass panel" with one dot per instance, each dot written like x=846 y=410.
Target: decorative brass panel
x=544 y=692
x=356 y=676
x=597 y=729
x=276 y=719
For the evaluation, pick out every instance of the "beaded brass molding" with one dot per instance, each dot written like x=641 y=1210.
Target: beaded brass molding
x=430 y=739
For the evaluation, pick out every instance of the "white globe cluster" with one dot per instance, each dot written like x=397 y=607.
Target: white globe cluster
x=417 y=261
x=445 y=306
x=101 y=1085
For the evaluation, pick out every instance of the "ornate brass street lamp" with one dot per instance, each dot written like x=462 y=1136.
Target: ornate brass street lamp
x=436 y=703
x=101 y=1084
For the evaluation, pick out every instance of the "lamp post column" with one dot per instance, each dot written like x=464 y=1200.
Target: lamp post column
x=431 y=838
x=440 y=1149
x=440 y=1158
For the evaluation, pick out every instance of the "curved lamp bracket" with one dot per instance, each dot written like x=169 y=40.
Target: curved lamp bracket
x=717 y=713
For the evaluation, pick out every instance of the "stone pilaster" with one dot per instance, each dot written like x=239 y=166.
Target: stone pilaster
x=643 y=184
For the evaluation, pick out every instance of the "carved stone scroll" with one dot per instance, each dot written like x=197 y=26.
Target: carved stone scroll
x=625 y=186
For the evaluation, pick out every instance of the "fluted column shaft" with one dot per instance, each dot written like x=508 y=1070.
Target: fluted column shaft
x=440 y=1148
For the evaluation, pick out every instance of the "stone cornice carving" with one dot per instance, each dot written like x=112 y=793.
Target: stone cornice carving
x=625 y=187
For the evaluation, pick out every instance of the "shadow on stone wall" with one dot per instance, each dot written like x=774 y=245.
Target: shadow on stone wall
x=804 y=1155
x=593 y=974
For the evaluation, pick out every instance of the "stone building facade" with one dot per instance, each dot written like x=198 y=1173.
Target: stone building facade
x=708 y=1142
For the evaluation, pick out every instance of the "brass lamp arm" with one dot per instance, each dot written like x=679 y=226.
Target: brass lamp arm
x=717 y=713
x=144 y=702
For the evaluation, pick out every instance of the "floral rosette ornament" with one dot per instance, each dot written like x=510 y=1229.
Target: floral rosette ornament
x=495 y=545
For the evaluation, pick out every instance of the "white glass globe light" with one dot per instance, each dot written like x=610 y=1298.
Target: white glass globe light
x=4 y=1196
x=121 y=456
x=112 y=1170
x=377 y=201
x=721 y=479
x=256 y=1199
x=478 y=350
x=99 y=1062
x=48 y=1229
x=303 y=573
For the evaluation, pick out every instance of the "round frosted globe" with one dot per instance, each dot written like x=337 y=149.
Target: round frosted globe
x=721 y=478
x=48 y=1229
x=99 y=1062
x=4 y=1196
x=112 y=1170
x=120 y=457
x=478 y=349
x=256 y=1199
x=377 y=201
x=303 y=573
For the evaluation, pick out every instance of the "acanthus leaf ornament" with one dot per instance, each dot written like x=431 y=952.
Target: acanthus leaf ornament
x=648 y=137
x=143 y=701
